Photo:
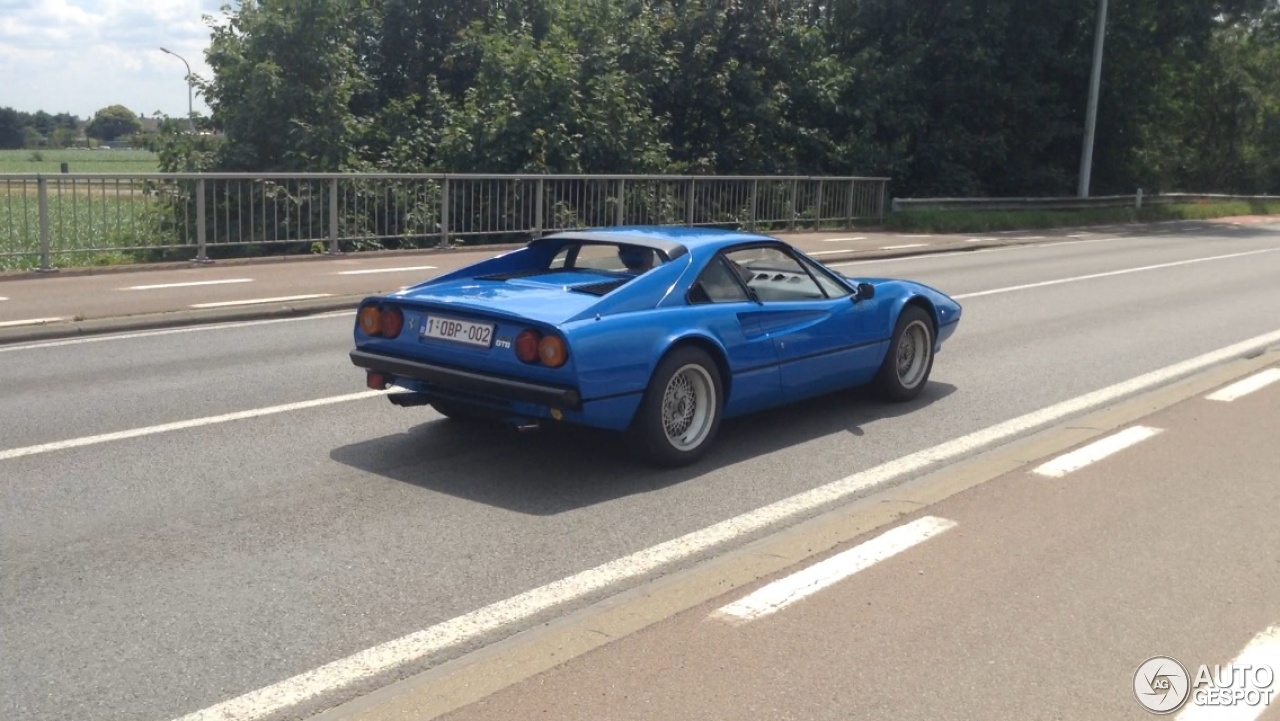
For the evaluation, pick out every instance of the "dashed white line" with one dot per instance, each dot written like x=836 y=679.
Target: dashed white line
x=782 y=593
x=1259 y=662
x=181 y=425
x=192 y=284
x=1109 y=274
x=1096 y=451
x=1246 y=386
x=28 y=321
x=387 y=270
x=2 y=299
x=826 y=252
x=254 y=301
x=901 y=247
x=364 y=664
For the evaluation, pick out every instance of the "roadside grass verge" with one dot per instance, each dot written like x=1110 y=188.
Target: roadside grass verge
x=986 y=221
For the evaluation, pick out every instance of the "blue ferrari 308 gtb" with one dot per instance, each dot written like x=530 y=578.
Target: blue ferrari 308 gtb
x=657 y=332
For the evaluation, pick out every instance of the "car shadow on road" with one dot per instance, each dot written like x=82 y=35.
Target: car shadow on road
x=562 y=468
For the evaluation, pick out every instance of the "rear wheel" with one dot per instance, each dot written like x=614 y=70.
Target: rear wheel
x=909 y=361
x=679 y=416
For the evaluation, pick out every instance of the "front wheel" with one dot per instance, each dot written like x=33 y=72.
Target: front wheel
x=909 y=360
x=679 y=416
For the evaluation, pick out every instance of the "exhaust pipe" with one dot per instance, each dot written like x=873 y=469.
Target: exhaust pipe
x=409 y=399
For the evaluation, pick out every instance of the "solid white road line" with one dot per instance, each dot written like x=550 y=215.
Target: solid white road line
x=2 y=298
x=254 y=301
x=383 y=657
x=29 y=321
x=1263 y=652
x=1108 y=274
x=786 y=591
x=170 y=331
x=1096 y=451
x=192 y=284
x=1246 y=386
x=386 y=270
x=902 y=247
x=842 y=240
x=953 y=254
x=182 y=425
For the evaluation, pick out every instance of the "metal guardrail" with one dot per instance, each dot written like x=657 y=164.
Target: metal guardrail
x=1068 y=203
x=146 y=217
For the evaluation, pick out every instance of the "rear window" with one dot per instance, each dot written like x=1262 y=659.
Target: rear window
x=610 y=257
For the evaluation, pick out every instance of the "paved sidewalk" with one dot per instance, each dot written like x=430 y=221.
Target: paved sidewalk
x=1038 y=596
x=83 y=300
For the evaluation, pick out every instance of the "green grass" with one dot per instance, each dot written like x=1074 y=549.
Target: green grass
x=79 y=160
x=986 y=221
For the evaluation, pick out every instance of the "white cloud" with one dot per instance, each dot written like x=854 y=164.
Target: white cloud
x=78 y=56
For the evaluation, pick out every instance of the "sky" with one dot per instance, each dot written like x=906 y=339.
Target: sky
x=78 y=56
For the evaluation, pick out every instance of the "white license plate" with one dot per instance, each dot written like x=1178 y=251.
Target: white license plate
x=459 y=331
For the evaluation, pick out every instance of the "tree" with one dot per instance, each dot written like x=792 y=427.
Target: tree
x=113 y=122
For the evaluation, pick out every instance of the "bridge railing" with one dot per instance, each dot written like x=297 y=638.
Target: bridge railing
x=50 y=221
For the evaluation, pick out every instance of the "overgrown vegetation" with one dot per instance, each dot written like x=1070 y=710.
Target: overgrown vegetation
x=968 y=98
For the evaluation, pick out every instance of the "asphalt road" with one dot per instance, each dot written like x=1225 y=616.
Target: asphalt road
x=1027 y=597
x=154 y=576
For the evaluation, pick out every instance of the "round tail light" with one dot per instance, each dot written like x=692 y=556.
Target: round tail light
x=370 y=320
x=527 y=344
x=392 y=322
x=552 y=351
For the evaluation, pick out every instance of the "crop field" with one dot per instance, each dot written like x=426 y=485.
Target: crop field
x=78 y=160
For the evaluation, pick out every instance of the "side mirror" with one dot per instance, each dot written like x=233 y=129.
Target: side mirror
x=866 y=291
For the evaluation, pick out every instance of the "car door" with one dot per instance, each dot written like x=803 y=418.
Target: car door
x=823 y=336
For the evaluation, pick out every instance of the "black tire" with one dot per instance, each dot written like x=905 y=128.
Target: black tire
x=700 y=378
x=891 y=383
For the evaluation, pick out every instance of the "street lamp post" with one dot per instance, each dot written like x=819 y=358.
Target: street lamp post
x=191 y=123
x=1091 y=121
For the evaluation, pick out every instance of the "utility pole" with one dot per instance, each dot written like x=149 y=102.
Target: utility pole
x=1091 y=120
x=191 y=123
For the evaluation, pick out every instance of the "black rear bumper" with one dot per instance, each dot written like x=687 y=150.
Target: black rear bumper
x=497 y=387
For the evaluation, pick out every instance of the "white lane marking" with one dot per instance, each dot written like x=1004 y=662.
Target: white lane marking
x=1263 y=651
x=386 y=270
x=786 y=591
x=977 y=240
x=28 y=321
x=909 y=245
x=918 y=235
x=1246 y=386
x=2 y=298
x=255 y=301
x=461 y=629
x=1111 y=273
x=1096 y=451
x=826 y=252
x=192 y=284
x=842 y=240
x=170 y=331
x=953 y=254
x=1027 y=237
x=182 y=425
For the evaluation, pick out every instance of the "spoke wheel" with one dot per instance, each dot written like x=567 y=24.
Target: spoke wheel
x=679 y=413
x=909 y=360
x=687 y=407
x=913 y=354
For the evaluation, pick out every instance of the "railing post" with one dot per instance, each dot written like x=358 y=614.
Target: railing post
x=333 y=217
x=755 y=188
x=46 y=254
x=817 y=220
x=622 y=202
x=202 y=231
x=791 y=206
x=444 y=213
x=688 y=203
x=537 y=215
x=1139 y=199
x=880 y=192
x=848 y=209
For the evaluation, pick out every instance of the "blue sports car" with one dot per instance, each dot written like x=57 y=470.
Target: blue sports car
x=658 y=332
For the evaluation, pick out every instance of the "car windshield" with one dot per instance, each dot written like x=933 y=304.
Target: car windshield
x=608 y=257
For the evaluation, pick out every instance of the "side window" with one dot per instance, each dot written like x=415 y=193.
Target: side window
x=775 y=275
x=717 y=285
x=833 y=288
